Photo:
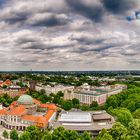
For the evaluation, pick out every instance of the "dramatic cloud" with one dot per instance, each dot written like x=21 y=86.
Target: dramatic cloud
x=69 y=35
x=90 y=9
x=48 y=20
x=120 y=6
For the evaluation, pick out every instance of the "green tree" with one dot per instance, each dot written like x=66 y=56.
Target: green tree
x=34 y=131
x=5 y=134
x=47 y=136
x=134 y=128
x=85 y=136
x=4 y=86
x=42 y=91
x=75 y=101
x=131 y=106
x=60 y=94
x=85 y=107
x=56 y=99
x=59 y=133
x=13 y=134
x=106 y=136
x=118 y=131
x=124 y=116
x=73 y=135
x=94 y=104
x=136 y=114
x=67 y=105
x=25 y=136
x=112 y=101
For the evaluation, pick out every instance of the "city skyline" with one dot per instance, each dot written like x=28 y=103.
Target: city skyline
x=69 y=35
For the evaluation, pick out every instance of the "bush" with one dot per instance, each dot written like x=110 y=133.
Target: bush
x=5 y=134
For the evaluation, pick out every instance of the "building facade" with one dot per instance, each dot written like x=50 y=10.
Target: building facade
x=97 y=94
x=55 y=89
x=27 y=111
x=12 y=92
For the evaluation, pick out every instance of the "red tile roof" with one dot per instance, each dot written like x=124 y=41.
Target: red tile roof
x=49 y=114
x=7 y=82
x=17 y=111
x=38 y=120
x=3 y=111
x=20 y=110
x=49 y=106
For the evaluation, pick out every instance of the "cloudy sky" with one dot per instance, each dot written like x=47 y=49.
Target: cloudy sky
x=69 y=34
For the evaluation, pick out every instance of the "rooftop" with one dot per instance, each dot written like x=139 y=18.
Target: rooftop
x=75 y=117
x=96 y=92
x=24 y=105
x=82 y=121
x=17 y=111
x=104 y=116
x=25 y=99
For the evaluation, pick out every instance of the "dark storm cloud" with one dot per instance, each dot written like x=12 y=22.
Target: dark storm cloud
x=96 y=12
x=119 y=6
x=51 y=21
x=16 y=18
x=93 y=12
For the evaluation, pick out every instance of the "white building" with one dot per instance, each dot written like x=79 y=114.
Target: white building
x=80 y=121
x=99 y=94
x=48 y=89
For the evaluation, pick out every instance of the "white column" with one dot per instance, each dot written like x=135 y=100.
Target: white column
x=10 y=118
x=16 y=119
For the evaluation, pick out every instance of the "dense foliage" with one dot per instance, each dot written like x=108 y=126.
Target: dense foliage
x=125 y=107
x=129 y=99
x=13 y=135
x=34 y=133
x=6 y=100
x=120 y=132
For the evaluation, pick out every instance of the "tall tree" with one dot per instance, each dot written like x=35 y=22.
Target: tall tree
x=13 y=134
